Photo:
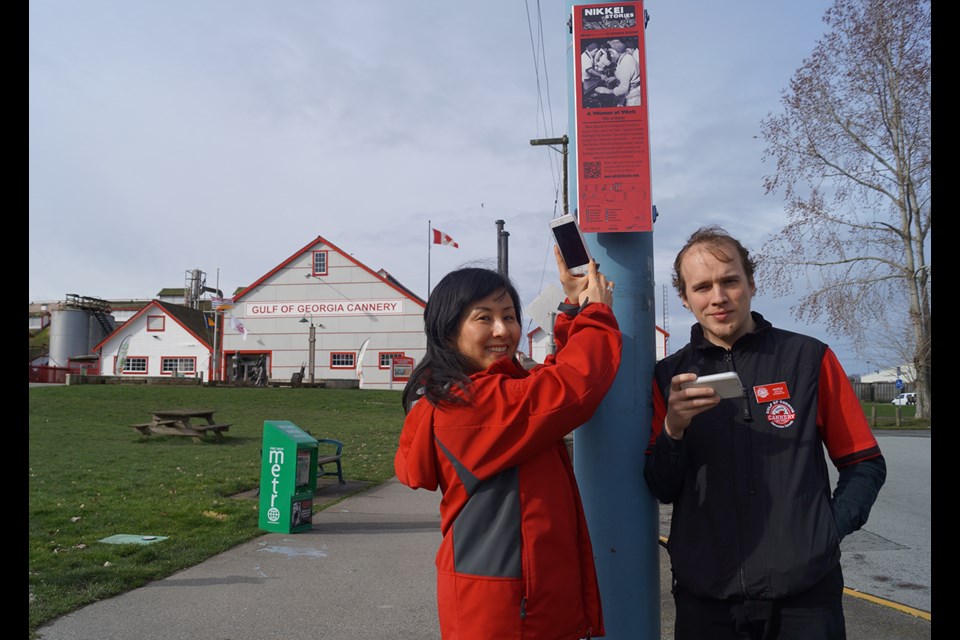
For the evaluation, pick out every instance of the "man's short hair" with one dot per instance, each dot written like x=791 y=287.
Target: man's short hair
x=715 y=239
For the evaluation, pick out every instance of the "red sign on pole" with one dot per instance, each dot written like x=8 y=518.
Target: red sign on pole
x=612 y=146
x=402 y=368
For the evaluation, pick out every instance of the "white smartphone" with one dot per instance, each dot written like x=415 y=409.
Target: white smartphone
x=727 y=385
x=572 y=245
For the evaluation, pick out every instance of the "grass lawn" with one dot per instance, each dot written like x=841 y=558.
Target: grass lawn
x=883 y=415
x=92 y=476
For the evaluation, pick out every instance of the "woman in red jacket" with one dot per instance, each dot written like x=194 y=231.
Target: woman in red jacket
x=515 y=560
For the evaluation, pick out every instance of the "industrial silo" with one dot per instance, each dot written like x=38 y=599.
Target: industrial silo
x=69 y=335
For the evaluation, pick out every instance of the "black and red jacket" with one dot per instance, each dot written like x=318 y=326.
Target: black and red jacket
x=753 y=514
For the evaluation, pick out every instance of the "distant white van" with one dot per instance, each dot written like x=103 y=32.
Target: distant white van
x=905 y=399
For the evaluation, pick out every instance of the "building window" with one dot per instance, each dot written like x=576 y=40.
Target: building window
x=136 y=364
x=155 y=323
x=319 y=263
x=386 y=358
x=343 y=360
x=173 y=366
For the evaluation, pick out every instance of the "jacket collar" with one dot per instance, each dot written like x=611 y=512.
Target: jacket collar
x=507 y=366
x=762 y=326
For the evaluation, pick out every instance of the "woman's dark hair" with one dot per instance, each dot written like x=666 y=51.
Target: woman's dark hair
x=443 y=365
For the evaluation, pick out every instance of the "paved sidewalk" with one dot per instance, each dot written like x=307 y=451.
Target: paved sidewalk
x=365 y=571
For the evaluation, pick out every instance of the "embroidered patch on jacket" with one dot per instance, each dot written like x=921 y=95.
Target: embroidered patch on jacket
x=771 y=392
x=780 y=414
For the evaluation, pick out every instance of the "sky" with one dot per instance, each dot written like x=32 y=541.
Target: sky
x=225 y=136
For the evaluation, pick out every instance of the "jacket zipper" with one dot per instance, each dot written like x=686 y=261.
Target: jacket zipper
x=747 y=418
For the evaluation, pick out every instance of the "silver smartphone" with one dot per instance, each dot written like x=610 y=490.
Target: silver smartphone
x=572 y=245
x=727 y=385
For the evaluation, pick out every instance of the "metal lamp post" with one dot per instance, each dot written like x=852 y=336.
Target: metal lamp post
x=313 y=342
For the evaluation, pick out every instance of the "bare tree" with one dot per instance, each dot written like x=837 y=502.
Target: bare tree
x=852 y=151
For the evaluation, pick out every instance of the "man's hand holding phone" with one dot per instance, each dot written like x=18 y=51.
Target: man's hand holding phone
x=726 y=384
x=685 y=402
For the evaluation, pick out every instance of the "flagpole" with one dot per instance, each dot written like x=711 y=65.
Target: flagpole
x=216 y=358
x=216 y=327
x=429 y=242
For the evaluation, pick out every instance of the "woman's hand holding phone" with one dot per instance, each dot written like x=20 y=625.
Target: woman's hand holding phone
x=593 y=287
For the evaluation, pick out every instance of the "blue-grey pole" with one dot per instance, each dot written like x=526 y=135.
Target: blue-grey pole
x=608 y=453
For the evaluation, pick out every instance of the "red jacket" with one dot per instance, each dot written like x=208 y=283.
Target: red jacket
x=515 y=561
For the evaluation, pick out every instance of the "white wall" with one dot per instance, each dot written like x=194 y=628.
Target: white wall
x=172 y=342
x=271 y=313
x=890 y=375
x=539 y=342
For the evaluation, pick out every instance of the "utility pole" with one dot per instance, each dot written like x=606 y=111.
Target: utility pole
x=608 y=451
x=502 y=249
x=561 y=141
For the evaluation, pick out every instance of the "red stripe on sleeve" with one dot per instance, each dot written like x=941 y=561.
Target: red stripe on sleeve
x=840 y=418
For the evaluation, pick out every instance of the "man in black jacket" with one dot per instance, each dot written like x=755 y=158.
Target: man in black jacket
x=755 y=533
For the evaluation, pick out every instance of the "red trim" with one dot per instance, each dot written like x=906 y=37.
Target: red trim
x=343 y=366
x=309 y=247
x=380 y=355
x=146 y=368
x=163 y=323
x=326 y=262
x=155 y=304
x=170 y=373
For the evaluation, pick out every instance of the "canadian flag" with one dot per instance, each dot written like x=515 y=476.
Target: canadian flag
x=441 y=238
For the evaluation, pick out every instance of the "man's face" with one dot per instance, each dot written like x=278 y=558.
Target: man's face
x=613 y=54
x=718 y=294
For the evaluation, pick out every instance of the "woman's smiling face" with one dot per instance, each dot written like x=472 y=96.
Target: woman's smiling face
x=489 y=330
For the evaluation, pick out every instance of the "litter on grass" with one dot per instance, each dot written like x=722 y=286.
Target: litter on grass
x=126 y=538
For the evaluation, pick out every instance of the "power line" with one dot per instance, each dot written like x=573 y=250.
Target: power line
x=538 y=52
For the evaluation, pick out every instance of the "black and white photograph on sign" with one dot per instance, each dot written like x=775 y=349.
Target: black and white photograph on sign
x=614 y=17
x=596 y=70
x=610 y=72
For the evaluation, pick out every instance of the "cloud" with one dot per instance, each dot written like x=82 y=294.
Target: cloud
x=225 y=135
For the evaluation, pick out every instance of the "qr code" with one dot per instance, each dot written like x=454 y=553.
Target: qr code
x=591 y=169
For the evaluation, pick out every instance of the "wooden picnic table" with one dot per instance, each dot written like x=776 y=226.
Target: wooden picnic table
x=179 y=422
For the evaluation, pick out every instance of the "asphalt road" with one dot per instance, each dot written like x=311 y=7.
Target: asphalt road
x=890 y=557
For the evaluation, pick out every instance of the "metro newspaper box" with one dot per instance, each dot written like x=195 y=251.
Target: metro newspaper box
x=288 y=477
